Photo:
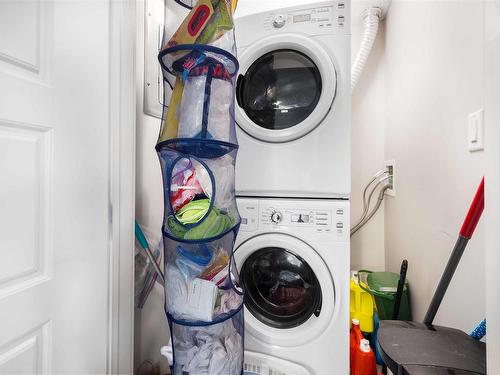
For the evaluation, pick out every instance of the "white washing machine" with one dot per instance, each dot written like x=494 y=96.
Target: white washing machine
x=293 y=259
x=293 y=95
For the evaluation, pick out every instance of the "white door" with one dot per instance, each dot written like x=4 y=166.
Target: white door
x=55 y=240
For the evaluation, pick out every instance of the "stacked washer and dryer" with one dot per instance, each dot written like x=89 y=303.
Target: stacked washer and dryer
x=293 y=184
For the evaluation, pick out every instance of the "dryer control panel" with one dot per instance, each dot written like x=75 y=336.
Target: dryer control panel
x=334 y=17
x=326 y=217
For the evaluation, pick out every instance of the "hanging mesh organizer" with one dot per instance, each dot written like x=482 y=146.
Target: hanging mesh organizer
x=197 y=150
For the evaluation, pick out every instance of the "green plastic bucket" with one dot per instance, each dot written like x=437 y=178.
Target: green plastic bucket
x=383 y=287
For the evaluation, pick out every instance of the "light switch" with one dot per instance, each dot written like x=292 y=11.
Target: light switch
x=476 y=131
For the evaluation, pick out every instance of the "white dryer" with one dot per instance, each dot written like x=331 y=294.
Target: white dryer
x=293 y=259
x=293 y=95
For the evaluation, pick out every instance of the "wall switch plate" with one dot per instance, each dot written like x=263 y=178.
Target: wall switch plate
x=476 y=131
x=390 y=166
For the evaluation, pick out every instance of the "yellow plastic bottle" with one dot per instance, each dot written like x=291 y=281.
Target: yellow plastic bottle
x=361 y=305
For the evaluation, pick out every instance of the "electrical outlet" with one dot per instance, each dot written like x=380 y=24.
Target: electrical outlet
x=390 y=166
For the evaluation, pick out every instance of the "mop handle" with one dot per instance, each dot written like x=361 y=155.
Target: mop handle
x=474 y=214
x=141 y=238
x=399 y=292
x=470 y=222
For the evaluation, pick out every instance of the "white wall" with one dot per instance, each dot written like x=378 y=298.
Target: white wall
x=492 y=117
x=434 y=79
x=367 y=245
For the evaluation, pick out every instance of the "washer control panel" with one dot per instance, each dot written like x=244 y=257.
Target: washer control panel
x=333 y=16
x=309 y=216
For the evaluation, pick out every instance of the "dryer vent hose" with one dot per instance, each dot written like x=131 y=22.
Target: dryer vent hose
x=371 y=20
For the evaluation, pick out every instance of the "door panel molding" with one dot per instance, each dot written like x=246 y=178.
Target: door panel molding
x=121 y=187
x=27 y=52
x=32 y=349
x=27 y=217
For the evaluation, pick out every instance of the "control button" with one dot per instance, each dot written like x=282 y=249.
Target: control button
x=340 y=225
x=340 y=211
x=276 y=217
x=279 y=21
x=341 y=21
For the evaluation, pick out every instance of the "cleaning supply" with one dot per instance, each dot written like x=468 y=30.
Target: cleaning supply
x=364 y=359
x=219 y=23
x=355 y=336
x=362 y=356
x=217 y=271
x=376 y=323
x=361 y=304
x=193 y=25
x=480 y=331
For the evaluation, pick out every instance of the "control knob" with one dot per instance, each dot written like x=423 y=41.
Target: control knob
x=276 y=217
x=279 y=21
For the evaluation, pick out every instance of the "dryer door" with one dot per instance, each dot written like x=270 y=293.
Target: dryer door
x=286 y=87
x=289 y=292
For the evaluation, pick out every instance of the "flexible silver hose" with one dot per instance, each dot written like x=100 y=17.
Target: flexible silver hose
x=366 y=205
x=371 y=20
x=373 y=212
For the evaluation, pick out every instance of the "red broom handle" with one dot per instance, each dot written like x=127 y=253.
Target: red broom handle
x=474 y=214
x=470 y=222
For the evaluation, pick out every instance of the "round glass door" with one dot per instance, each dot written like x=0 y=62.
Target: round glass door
x=281 y=289
x=280 y=89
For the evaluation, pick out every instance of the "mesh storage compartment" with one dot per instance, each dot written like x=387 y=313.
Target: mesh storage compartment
x=202 y=102
x=198 y=193
x=213 y=349
x=201 y=278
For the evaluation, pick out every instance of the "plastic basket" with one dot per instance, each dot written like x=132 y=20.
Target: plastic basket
x=383 y=287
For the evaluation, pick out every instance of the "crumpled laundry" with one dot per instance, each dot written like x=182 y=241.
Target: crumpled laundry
x=229 y=301
x=208 y=350
x=214 y=224
x=184 y=185
x=193 y=212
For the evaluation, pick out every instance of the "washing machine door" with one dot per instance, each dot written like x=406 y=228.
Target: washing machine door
x=286 y=86
x=289 y=291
